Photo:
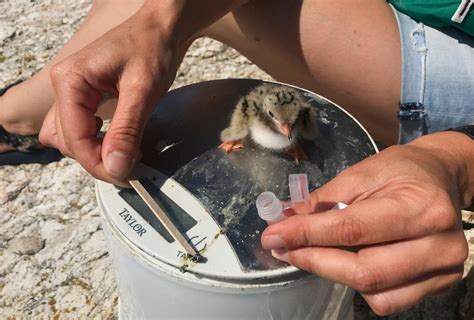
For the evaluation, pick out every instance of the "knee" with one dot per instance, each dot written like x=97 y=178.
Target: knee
x=221 y=30
x=99 y=5
x=13 y=121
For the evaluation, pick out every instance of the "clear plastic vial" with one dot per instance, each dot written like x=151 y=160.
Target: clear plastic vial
x=298 y=184
x=270 y=208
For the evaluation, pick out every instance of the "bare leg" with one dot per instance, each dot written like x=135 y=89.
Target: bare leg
x=24 y=106
x=347 y=51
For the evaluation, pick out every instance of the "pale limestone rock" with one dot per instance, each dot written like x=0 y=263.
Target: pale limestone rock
x=28 y=245
x=7 y=31
x=468 y=216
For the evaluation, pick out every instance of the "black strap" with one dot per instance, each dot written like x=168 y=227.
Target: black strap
x=467 y=130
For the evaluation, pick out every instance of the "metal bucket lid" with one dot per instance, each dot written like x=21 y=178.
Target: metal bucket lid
x=210 y=195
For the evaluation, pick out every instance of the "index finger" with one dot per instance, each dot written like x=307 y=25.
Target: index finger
x=366 y=222
x=77 y=102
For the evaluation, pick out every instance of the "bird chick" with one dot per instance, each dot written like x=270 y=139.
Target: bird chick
x=274 y=117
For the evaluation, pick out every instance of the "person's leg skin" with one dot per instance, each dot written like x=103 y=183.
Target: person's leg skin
x=24 y=106
x=347 y=51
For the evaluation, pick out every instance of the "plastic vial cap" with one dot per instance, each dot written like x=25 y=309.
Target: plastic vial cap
x=298 y=184
x=269 y=207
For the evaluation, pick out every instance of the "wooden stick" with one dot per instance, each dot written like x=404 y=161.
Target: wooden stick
x=155 y=208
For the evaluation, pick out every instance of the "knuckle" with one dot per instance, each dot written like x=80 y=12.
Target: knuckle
x=314 y=266
x=47 y=136
x=44 y=138
x=64 y=151
x=440 y=215
x=447 y=220
x=380 y=304
x=66 y=71
x=305 y=231
x=145 y=88
x=125 y=130
x=349 y=231
x=64 y=143
x=458 y=276
x=59 y=70
x=66 y=147
x=365 y=279
x=460 y=251
x=139 y=81
x=446 y=283
x=134 y=83
x=445 y=216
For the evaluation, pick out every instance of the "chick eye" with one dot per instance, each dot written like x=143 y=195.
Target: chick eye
x=270 y=114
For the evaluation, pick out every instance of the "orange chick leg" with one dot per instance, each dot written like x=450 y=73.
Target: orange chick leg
x=229 y=146
x=297 y=152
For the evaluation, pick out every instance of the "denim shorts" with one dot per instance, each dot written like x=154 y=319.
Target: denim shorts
x=437 y=90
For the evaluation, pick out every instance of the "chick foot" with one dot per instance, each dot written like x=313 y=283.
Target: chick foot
x=297 y=152
x=229 y=146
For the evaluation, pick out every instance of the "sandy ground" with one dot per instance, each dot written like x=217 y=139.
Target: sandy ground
x=53 y=258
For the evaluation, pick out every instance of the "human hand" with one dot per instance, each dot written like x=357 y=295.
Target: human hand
x=403 y=223
x=135 y=62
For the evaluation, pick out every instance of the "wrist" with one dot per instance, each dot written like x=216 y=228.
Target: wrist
x=158 y=18
x=163 y=13
x=183 y=20
x=456 y=151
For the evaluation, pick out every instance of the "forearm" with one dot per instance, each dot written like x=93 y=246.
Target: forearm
x=184 y=19
x=457 y=153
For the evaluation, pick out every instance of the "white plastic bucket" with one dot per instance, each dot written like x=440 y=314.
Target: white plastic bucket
x=237 y=279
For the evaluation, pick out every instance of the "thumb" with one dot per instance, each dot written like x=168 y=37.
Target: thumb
x=346 y=187
x=121 y=145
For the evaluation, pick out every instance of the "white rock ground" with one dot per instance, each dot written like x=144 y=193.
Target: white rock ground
x=53 y=258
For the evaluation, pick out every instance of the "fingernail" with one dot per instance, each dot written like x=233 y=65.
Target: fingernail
x=273 y=242
x=118 y=164
x=281 y=254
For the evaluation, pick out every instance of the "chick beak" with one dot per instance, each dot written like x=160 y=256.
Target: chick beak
x=285 y=129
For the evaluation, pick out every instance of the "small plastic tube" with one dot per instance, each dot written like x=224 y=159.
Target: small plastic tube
x=270 y=208
x=298 y=184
